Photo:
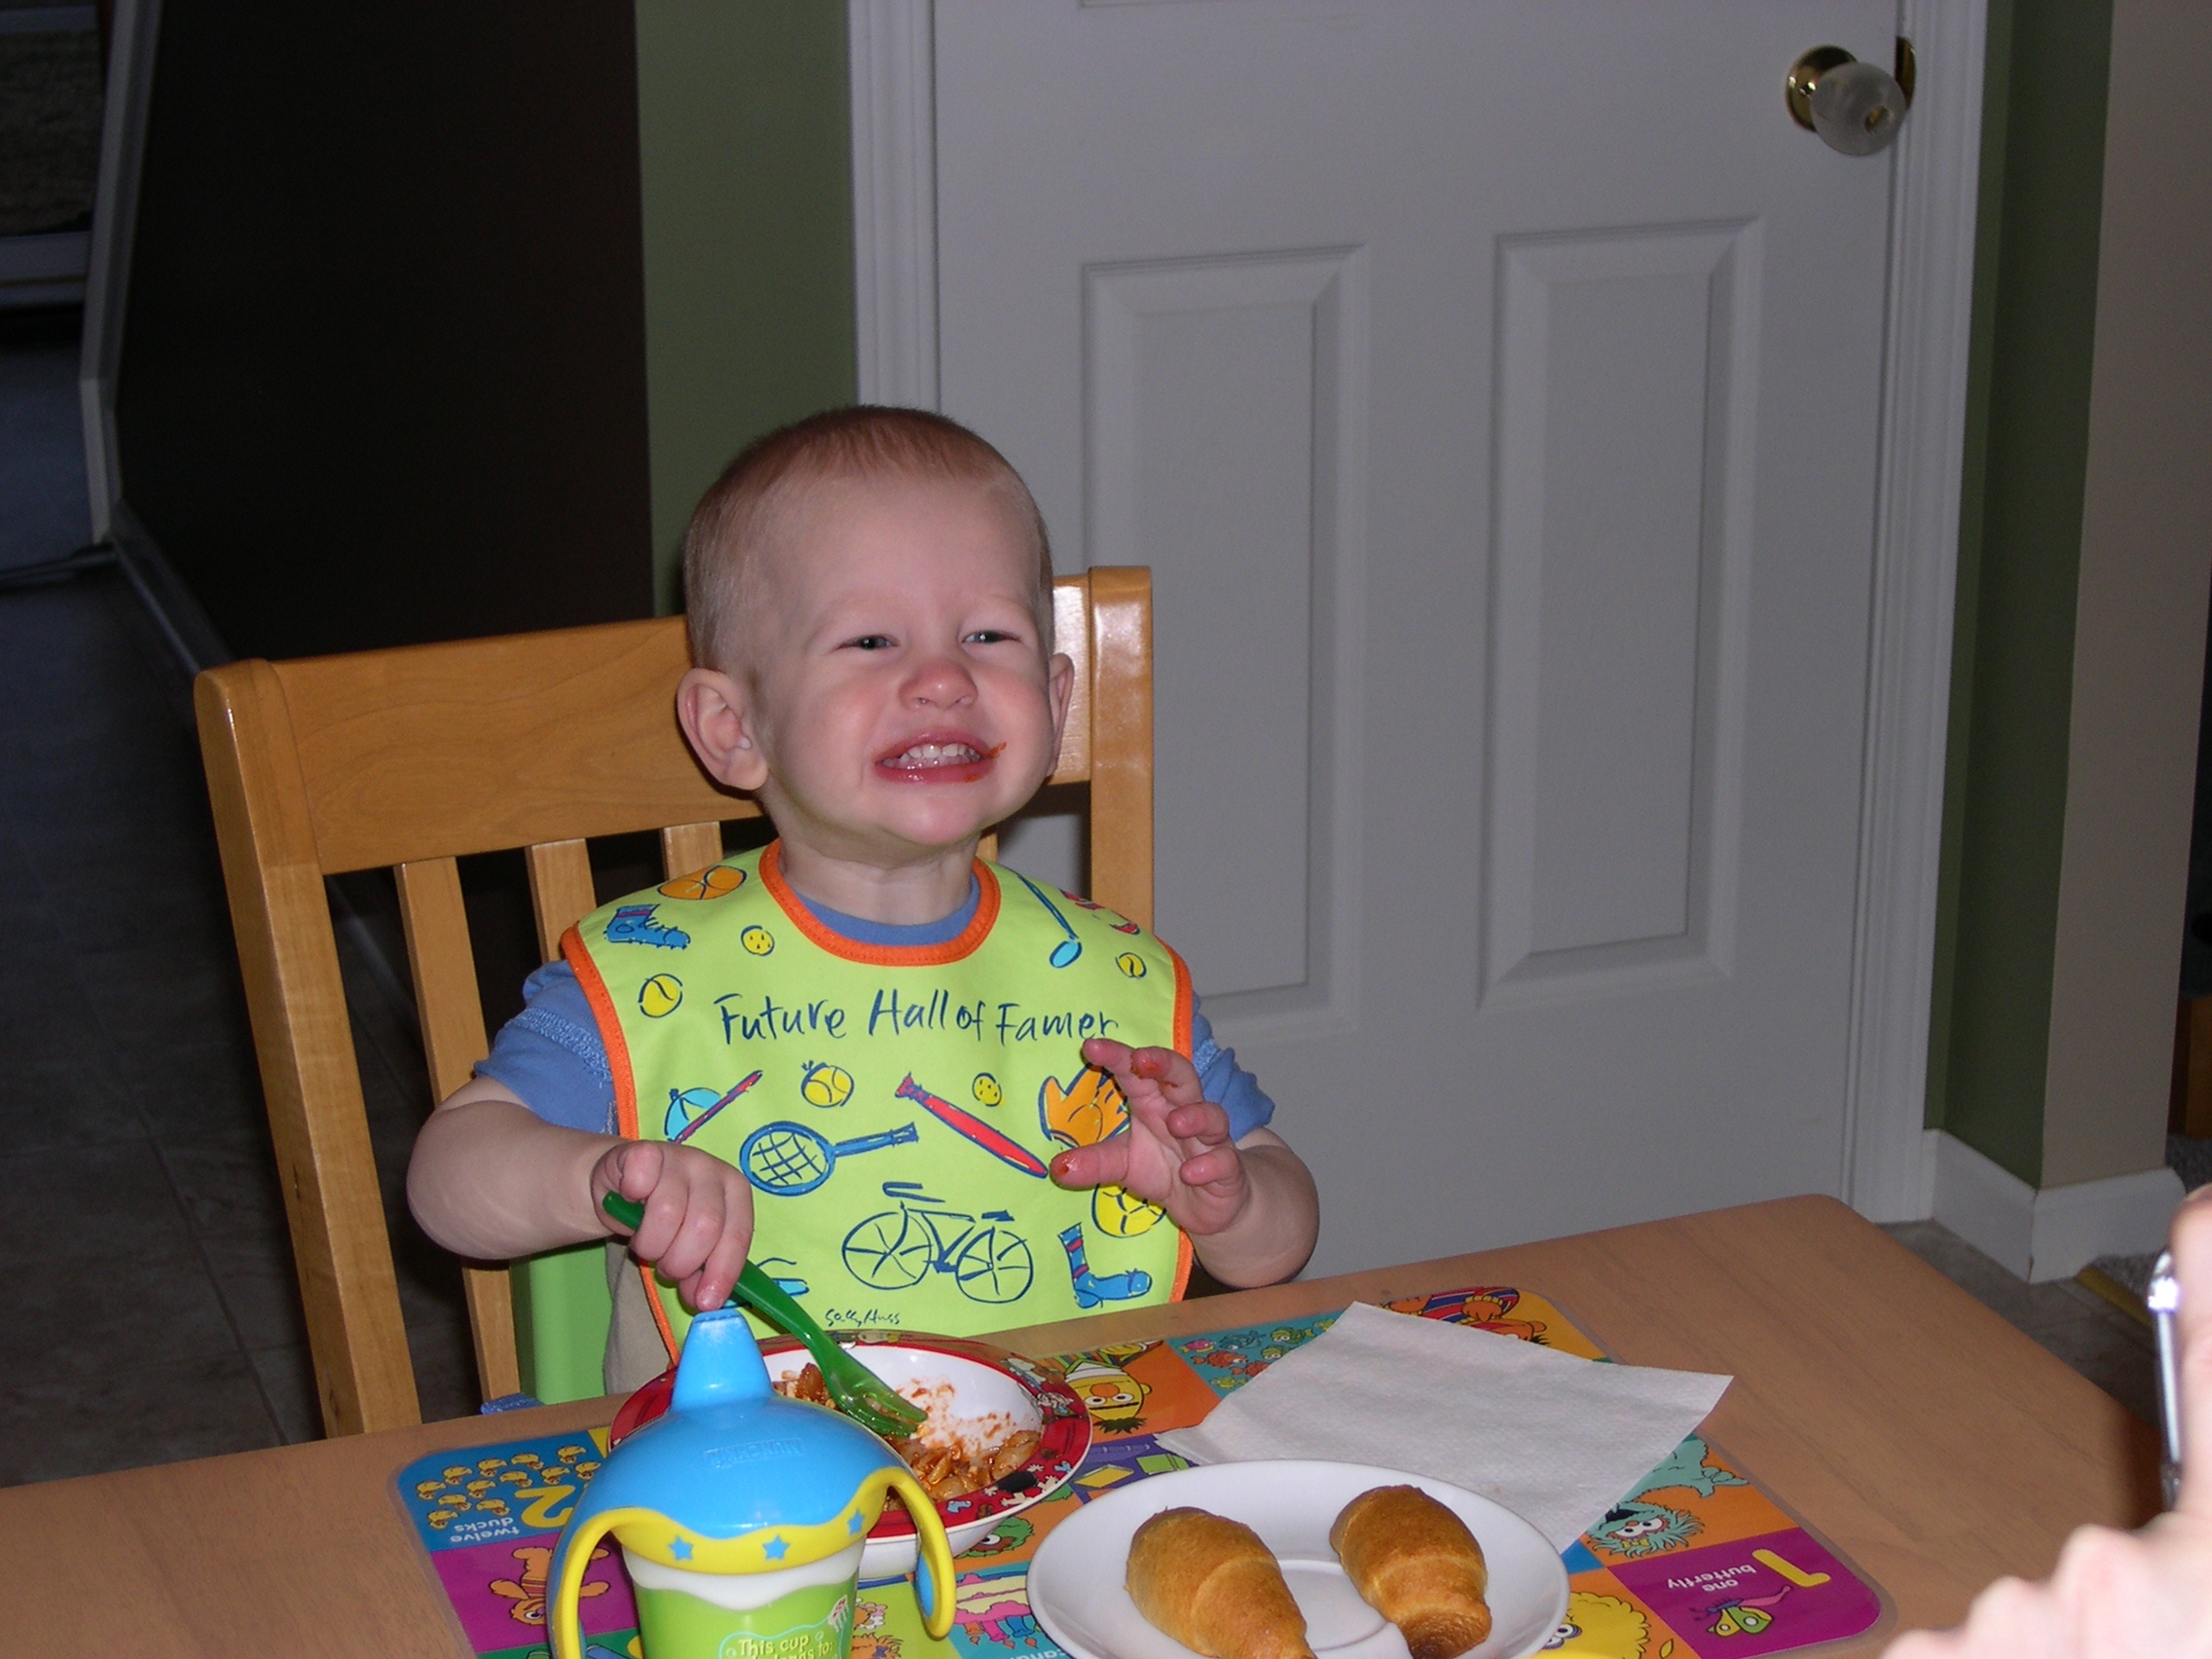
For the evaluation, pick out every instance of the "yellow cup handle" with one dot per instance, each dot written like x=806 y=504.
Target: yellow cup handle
x=932 y=1551
x=562 y=1622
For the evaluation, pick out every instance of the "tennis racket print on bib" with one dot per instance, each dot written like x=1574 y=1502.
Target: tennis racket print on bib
x=787 y=1158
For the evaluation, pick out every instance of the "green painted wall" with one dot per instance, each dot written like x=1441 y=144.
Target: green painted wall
x=743 y=150
x=2019 y=551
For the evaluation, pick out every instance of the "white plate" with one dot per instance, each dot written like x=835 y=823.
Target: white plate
x=1076 y=1589
x=972 y=1387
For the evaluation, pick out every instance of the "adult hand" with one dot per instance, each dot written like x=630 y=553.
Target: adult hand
x=1176 y=1152
x=2122 y=1594
x=698 y=1215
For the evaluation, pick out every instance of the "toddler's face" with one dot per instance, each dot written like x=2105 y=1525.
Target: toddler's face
x=902 y=699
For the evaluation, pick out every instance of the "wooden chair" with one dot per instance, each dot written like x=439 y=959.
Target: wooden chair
x=415 y=756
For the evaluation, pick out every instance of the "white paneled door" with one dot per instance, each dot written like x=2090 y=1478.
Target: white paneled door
x=1494 y=388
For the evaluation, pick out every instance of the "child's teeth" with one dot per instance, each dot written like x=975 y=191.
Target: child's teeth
x=936 y=755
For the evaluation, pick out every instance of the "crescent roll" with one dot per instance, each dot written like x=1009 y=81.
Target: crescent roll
x=1212 y=1585
x=1413 y=1562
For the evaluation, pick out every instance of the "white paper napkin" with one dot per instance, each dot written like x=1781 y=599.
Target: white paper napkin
x=1556 y=1438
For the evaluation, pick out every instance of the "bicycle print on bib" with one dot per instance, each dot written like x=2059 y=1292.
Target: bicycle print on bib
x=895 y=1108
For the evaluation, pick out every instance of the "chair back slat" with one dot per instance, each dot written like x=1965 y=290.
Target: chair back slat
x=688 y=847
x=490 y=1290
x=415 y=758
x=1117 y=727
x=482 y=745
x=560 y=890
x=443 y=964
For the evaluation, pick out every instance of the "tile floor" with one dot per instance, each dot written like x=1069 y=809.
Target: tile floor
x=151 y=1313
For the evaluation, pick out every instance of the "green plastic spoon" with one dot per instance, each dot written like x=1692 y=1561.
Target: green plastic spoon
x=859 y=1394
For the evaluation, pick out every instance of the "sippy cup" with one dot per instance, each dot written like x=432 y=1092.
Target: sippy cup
x=741 y=1516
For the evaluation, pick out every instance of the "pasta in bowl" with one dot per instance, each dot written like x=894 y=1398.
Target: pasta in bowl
x=1002 y=1433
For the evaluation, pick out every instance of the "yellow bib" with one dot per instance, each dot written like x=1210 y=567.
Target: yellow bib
x=895 y=1108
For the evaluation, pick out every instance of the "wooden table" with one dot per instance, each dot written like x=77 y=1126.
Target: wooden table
x=1933 y=1443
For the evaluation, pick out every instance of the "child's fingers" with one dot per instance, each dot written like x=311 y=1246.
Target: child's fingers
x=657 y=1232
x=1162 y=1073
x=1183 y=1129
x=1204 y=1122
x=683 y=1261
x=638 y=1174
x=698 y=1220
x=660 y=1238
x=700 y=1293
x=699 y=1234
x=1105 y=1164
x=1220 y=1164
x=1165 y=1070
x=719 y=1277
x=632 y=1170
x=1105 y=1051
x=1177 y=1078
x=665 y=1198
x=606 y=1178
x=642 y=1165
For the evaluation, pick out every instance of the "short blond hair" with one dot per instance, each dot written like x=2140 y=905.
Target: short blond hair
x=739 y=515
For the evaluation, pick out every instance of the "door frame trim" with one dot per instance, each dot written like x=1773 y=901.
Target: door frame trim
x=1926 y=333
x=1926 y=329
x=135 y=35
x=892 y=65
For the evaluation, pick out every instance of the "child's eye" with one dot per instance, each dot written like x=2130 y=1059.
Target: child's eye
x=870 y=642
x=992 y=637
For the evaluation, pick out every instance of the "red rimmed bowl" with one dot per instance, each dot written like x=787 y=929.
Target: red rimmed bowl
x=971 y=1389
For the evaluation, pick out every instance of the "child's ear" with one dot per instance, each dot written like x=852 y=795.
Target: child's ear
x=1059 y=688
x=716 y=716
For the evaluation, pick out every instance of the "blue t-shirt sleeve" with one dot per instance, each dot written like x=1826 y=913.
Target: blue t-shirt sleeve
x=1225 y=1082
x=551 y=1056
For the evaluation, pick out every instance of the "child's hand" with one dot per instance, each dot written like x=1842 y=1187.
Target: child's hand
x=698 y=1215
x=1176 y=1153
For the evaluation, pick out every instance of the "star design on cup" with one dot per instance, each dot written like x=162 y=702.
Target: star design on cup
x=681 y=1549
x=774 y=1548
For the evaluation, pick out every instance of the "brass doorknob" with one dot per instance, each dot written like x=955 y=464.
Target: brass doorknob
x=1854 y=107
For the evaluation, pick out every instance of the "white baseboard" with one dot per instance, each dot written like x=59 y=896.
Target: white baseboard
x=2055 y=1232
x=1925 y=1176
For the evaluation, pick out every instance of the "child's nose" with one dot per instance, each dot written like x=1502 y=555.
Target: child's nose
x=940 y=682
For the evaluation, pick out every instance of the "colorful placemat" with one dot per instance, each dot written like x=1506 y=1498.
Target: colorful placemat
x=1696 y=1563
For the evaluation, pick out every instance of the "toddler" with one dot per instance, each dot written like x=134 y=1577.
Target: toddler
x=922 y=1091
